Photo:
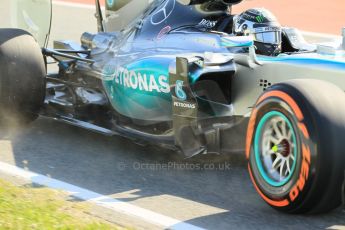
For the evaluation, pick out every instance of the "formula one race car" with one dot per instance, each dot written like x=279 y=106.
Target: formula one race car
x=190 y=76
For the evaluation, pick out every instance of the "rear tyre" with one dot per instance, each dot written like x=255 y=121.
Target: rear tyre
x=295 y=146
x=22 y=77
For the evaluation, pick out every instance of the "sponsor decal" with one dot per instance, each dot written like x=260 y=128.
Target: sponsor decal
x=304 y=174
x=267 y=29
x=141 y=80
x=184 y=105
x=249 y=17
x=162 y=13
x=180 y=93
x=260 y=18
x=163 y=32
x=207 y=23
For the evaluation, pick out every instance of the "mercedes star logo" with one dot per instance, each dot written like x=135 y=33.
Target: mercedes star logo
x=163 y=12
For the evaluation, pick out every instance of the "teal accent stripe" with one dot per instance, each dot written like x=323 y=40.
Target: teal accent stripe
x=257 y=149
x=231 y=44
x=228 y=42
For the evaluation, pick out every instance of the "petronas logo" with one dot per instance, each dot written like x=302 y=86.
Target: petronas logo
x=260 y=18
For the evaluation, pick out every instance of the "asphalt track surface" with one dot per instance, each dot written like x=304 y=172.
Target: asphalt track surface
x=220 y=196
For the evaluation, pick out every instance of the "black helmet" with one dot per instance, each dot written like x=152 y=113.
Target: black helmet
x=264 y=27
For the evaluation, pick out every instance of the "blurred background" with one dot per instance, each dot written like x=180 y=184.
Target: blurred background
x=308 y=15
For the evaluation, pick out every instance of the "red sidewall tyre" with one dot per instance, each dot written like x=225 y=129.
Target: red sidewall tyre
x=318 y=123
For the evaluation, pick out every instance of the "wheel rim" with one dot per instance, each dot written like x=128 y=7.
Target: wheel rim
x=275 y=148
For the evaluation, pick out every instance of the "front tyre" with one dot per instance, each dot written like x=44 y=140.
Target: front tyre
x=295 y=146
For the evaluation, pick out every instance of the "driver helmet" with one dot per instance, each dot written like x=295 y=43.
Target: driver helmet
x=264 y=27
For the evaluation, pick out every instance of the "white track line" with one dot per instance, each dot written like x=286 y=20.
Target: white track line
x=98 y=199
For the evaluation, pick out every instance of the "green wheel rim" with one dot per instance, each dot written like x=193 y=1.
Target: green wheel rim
x=275 y=148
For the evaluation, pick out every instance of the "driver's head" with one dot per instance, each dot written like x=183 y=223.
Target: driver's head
x=264 y=27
